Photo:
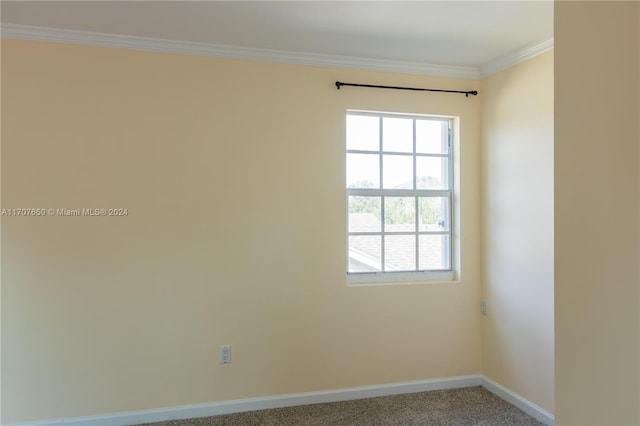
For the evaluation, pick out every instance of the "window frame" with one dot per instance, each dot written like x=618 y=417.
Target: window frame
x=417 y=275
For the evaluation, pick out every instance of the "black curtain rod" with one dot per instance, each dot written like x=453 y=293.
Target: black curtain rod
x=339 y=84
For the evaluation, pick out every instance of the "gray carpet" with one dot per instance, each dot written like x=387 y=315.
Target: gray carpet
x=454 y=407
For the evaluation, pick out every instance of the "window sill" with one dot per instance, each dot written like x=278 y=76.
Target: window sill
x=401 y=278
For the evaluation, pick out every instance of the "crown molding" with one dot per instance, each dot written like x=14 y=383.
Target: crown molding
x=56 y=35
x=36 y=33
x=515 y=58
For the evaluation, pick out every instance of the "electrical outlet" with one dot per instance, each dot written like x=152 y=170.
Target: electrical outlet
x=483 y=307
x=224 y=354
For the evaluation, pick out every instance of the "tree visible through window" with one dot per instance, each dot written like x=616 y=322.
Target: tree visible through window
x=399 y=193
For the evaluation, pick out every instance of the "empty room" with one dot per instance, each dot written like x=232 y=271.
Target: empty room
x=263 y=212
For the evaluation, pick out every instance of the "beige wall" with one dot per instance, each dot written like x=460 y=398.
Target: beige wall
x=517 y=212
x=1 y=315
x=597 y=115
x=233 y=176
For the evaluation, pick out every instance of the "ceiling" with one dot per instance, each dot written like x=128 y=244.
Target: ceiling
x=450 y=33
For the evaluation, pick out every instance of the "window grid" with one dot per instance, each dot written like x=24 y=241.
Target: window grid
x=383 y=193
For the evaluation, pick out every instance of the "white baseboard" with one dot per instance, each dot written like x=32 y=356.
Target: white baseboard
x=513 y=398
x=250 y=404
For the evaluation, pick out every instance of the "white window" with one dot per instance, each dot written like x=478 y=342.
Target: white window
x=399 y=197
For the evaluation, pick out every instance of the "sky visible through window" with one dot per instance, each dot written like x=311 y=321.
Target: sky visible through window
x=363 y=133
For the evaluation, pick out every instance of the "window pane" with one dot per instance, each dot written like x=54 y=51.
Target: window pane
x=397 y=172
x=430 y=137
x=400 y=253
x=399 y=214
x=363 y=171
x=434 y=252
x=398 y=183
x=365 y=253
x=432 y=173
x=363 y=132
x=397 y=134
x=433 y=214
x=364 y=214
